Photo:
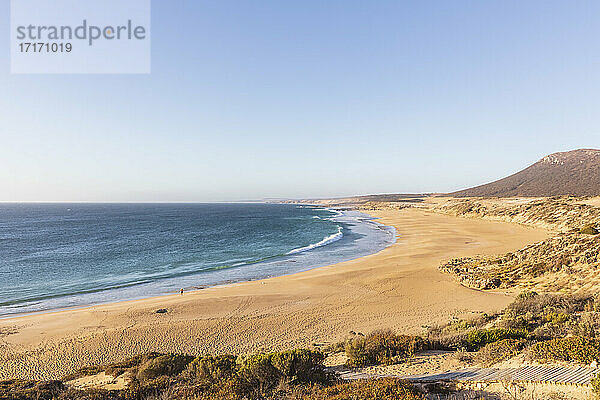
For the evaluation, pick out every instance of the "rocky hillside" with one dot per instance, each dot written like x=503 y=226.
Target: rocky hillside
x=574 y=173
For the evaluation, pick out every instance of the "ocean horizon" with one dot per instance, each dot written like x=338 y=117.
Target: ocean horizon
x=62 y=255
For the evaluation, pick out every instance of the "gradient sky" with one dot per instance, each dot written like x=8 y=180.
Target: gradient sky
x=255 y=99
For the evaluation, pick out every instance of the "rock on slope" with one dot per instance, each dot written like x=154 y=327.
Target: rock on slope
x=575 y=173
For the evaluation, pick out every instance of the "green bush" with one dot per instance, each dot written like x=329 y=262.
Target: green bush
x=476 y=339
x=257 y=375
x=260 y=374
x=577 y=349
x=589 y=230
x=211 y=369
x=292 y=375
x=457 y=326
x=549 y=316
x=164 y=365
x=373 y=389
x=300 y=365
x=382 y=347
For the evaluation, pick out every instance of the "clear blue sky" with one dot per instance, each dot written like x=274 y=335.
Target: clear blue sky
x=254 y=99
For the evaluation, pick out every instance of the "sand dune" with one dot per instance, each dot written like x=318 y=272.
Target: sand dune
x=399 y=288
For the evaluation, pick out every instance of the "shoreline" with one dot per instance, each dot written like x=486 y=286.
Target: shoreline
x=398 y=287
x=364 y=218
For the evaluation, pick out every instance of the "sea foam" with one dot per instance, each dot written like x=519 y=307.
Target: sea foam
x=326 y=240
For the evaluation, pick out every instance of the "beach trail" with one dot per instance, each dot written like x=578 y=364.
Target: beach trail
x=398 y=288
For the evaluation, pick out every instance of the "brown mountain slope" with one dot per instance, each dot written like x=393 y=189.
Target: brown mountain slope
x=574 y=173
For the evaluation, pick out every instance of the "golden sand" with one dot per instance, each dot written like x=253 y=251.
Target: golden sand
x=398 y=288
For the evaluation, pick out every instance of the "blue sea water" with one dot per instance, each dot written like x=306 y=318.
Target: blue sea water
x=63 y=255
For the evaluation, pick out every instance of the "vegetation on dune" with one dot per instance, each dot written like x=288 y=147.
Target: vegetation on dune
x=476 y=339
x=472 y=335
x=162 y=365
x=290 y=375
x=589 y=229
x=212 y=369
x=499 y=351
x=556 y=213
x=374 y=389
x=457 y=327
x=382 y=347
x=547 y=328
x=130 y=365
x=596 y=386
x=573 y=349
x=262 y=376
x=564 y=253
x=553 y=316
x=19 y=389
x=385 y=347
x=564 y=262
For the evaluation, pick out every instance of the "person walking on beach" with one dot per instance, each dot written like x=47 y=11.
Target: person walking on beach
x=181 y=292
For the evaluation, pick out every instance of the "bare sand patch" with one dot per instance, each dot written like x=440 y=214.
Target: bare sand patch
x=100 y=381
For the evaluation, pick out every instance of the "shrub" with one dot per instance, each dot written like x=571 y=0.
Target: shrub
x=524 y=296
x=450 y=342
x=117 y=368
x=589 y=230
x=300 y=365
x=211 y=369
x=476 y=339
x=114 y=369
x=586 y=325
x=548 y=316
x=373 y=389
x=596 y=385
x=18 y=389
x=578 y=349
x=382 y=347
x=164 y=365
x=555 y=317
x=458 y=326
x=499 y=351
x=257 y=376
x=258 y=362
x=335 y=347
x=169 y=376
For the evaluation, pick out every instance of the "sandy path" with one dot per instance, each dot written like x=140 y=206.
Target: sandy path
x=399 y=288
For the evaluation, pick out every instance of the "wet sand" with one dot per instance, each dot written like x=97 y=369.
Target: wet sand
x=398 y=288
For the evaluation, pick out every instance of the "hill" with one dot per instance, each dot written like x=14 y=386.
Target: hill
x=575 y=173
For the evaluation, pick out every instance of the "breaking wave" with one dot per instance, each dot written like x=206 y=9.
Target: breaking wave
x=326 y=240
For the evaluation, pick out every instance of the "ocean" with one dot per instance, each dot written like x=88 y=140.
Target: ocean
x=55 y=256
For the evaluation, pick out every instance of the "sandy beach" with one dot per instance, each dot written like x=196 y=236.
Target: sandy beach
x=398 y=288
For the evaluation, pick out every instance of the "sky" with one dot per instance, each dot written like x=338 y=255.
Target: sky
x=302 y=99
